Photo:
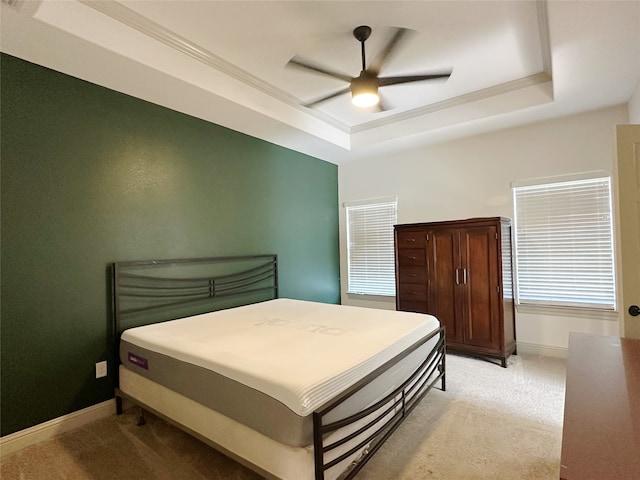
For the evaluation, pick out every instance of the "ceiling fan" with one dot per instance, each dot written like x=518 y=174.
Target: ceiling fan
x=364 y=87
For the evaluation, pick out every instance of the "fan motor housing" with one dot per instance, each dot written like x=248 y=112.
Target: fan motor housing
x=365 y=81
x=364 y=89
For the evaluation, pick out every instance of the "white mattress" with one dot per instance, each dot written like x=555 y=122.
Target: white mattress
x=300 y=353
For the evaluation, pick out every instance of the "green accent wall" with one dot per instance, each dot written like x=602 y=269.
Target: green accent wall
x=91 y=176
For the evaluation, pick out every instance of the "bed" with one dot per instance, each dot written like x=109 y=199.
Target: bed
x=292 y=389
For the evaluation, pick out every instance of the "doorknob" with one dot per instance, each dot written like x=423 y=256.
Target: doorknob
x=634 y=310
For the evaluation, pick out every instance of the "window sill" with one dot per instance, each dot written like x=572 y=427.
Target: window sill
x=554 y=310
x=371 y=295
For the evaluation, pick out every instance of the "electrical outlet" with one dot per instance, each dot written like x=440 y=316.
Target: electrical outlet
x=101 y=369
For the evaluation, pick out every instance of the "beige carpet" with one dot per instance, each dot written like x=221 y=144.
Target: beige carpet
x=469 y=442
x=491 y=423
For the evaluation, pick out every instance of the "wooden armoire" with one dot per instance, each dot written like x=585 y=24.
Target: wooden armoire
x=460 y=272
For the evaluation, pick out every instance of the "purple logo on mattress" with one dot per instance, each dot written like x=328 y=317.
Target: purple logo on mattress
x=139 y=361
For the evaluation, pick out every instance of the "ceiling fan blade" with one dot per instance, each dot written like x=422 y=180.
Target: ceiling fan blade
x=385 y=81
x=326 y=97
x=397 y=38
x=298 y=62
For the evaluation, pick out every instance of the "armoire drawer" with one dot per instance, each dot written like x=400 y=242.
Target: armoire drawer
x=412 y=306
x=411 y=256
x=411 y=274
x=412 y=292
x=410 y=239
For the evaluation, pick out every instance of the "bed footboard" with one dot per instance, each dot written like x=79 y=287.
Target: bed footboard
x=369 y=429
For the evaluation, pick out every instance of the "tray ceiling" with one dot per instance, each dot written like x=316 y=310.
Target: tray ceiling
x=225 y=61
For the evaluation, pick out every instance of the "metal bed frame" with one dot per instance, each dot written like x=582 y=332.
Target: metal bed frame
x=159 y=290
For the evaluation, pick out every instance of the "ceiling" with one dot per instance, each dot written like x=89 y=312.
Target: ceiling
x=513 y=62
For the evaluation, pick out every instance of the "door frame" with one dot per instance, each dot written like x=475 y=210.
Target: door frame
x=626 y=142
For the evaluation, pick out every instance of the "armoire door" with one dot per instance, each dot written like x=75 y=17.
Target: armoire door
x=480 y=276
x=445 y=299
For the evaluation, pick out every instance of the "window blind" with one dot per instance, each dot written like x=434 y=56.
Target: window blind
x=371 y=264
x=564 y=244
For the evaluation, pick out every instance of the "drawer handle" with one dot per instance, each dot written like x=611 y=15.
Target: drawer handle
x=412 y=275
x=411 y=293
x=412 y=258
x=411 y=239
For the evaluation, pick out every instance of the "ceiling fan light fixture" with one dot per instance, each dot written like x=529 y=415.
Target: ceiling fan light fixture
x=365 y=99
x=364 y=91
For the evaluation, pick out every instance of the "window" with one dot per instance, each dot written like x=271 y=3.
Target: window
x=370 y=255
x=564 y=244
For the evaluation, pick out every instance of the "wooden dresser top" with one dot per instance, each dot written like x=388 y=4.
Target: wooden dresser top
x=601 y=432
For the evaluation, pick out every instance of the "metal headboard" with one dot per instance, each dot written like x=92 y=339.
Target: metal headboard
x=152 y=291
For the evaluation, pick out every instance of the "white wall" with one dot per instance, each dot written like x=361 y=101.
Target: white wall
x=634 y=106
x=472 y=177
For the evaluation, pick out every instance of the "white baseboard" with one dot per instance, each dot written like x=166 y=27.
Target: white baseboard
x=543 y=350
x=44 y=431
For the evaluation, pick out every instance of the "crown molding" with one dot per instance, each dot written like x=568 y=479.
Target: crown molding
x=134 y=20
x=496 y=90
